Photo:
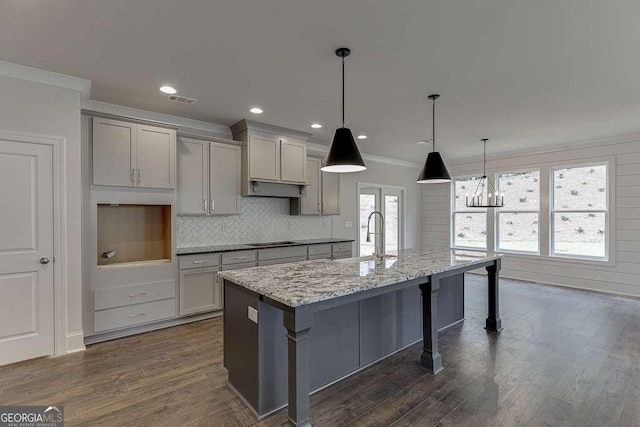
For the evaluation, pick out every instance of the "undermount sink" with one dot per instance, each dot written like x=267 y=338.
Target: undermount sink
x=272 y=244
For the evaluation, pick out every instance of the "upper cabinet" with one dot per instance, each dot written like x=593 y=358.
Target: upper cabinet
x=323 y=192
x=208 y=177
x=133 y=155
x=274 y=159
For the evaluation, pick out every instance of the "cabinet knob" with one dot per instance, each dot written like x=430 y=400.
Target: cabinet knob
x=44 y=260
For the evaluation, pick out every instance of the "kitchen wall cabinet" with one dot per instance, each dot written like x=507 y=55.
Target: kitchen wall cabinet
x=273 y=159
x=208 y=178
x=323 y=192
x=133 y=155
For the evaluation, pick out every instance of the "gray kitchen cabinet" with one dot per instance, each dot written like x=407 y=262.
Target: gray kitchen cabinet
x=263 y=158
x=224 y=183
x=114 y=145
x=293 y=161
x=193 y=177
x=133 y=155
x=200 y=291
x=323 y=192
x=208 y=177
x=330 y=193
x=312 y=203
x=156 y=153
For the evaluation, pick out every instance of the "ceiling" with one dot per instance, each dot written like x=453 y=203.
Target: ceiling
x=523 y=73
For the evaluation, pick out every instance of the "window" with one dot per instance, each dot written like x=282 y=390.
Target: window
x=579 y=211
x=518 y=223
x=469 y=224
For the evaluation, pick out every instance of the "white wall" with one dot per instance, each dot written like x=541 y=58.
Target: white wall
x=622 y=275
x=383 y=174
x=37 y=108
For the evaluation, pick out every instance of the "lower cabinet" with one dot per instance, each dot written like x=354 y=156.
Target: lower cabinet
x=200 y=291
x=132 y=315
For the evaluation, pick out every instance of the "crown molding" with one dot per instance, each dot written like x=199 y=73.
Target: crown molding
x=16 y=71
x=194 y=126
x=319 y=150
x=246 y=124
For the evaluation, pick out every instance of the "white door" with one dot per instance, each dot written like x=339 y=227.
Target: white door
x=26 y=244
x=387 y=201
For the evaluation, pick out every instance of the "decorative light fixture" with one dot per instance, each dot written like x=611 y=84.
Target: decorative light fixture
x=434 y=170
x=343 y=155
x=481 y=200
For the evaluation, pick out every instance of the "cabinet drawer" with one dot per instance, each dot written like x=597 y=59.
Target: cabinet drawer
x=320 y=256
x=133 y=315
x=136 y=294
x=198 y=261
x=238 y=257
x=238 y=266
x=279 y=253
x=342 y=247
x=319 y=249
x=341 y=255
x=281 y=261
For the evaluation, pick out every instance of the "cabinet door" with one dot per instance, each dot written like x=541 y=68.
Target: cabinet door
x=293 y=161
x=311 y=203
x=155 y=160
x=264 y=158
x=193 y=177
x=330 y=193
x=200 y=291
x=225 y=179
x=113 y=152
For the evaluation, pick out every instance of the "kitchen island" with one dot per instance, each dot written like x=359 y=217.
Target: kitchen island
x=293 y=329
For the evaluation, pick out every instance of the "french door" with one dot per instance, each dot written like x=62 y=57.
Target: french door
x=388 y=201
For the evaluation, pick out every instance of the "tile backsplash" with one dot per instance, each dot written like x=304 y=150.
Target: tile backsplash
x=262 y=219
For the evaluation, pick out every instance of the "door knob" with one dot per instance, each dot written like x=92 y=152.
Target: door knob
x=44 y=260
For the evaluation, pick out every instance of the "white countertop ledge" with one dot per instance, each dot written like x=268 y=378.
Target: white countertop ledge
x=307 y=282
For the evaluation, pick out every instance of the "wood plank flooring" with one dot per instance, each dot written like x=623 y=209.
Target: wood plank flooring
x=565 y=358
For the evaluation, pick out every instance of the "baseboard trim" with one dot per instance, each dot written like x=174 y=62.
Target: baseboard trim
x=75 y=342
x=121 y=333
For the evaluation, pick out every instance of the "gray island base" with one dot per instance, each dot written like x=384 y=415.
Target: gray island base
x=293 y=329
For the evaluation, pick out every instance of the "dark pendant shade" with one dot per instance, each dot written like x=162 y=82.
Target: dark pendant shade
x=343 y=155
x=434 y=170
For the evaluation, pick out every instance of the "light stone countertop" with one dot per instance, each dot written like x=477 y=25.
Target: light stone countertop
x=308 y=282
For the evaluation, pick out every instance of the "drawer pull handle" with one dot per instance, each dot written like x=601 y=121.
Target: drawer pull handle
x=139 y=294
x=239 y=257
x=131 y=316
x=199 y=262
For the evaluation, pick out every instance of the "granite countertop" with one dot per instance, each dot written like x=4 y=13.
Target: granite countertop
x=308 y=282
x=246 y=246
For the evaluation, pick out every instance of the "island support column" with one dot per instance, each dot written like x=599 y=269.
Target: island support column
x=430 y=358
x=298 y=322
x=494 y=323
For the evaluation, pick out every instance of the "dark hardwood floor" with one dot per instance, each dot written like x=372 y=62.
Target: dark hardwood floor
x=565 y=357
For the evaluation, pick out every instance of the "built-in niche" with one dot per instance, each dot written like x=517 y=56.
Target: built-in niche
x=133 y=234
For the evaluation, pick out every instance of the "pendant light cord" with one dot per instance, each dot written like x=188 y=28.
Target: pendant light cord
x=433 y=124
x=343 y=91
x=485 y=157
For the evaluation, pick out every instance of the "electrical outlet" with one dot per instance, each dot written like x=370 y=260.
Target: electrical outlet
x=252 y=314
x=348 y=224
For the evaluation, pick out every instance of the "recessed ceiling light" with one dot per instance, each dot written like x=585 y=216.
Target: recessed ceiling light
x=168 y=89
x=362 y=137
x=316 y=125
x=425 y=141
x=256 y=110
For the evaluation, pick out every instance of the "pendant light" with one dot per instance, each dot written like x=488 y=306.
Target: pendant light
x=434 y=170
x=343 y=155
x=492 y=199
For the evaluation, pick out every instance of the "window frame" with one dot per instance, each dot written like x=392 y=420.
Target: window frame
x=499 y=211
x=466 y=211
x=609 y=189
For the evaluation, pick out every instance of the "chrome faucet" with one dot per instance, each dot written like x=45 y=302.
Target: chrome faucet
x=369 y=233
